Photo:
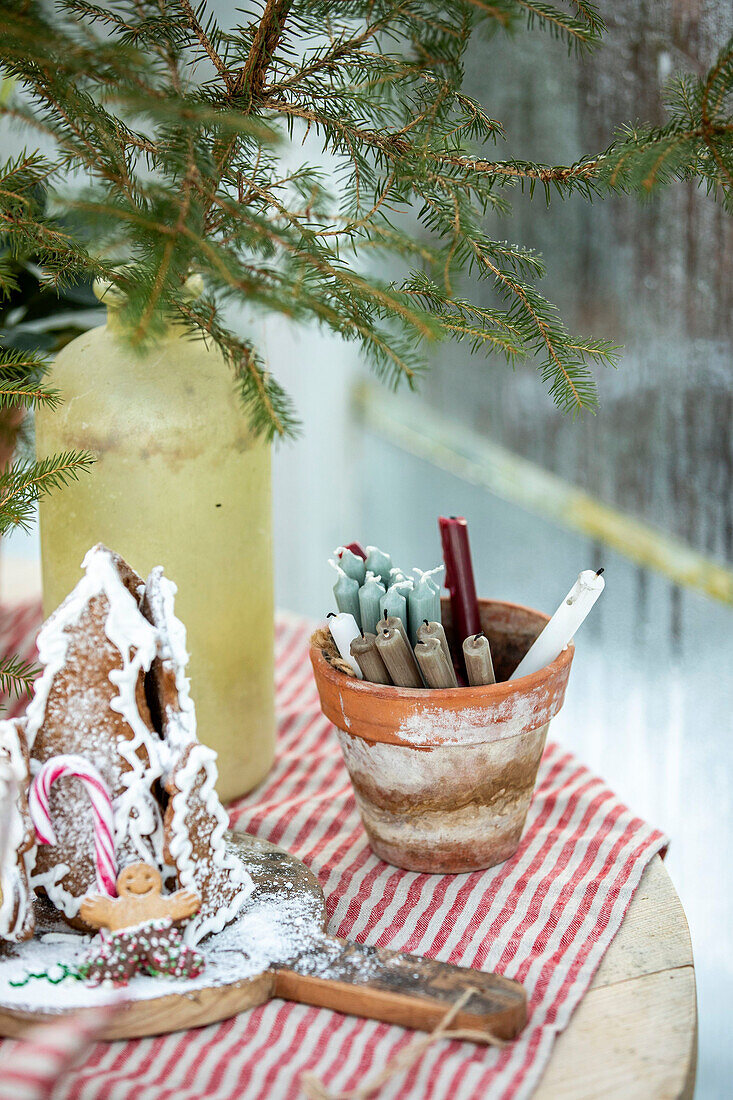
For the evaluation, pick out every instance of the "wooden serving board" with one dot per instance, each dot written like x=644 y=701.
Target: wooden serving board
x=298 y=962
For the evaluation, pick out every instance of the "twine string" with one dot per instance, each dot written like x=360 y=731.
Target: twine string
x=405 y=1059
x=322 y=640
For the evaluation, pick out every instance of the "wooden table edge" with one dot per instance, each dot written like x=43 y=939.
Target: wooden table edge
x=643 y=1031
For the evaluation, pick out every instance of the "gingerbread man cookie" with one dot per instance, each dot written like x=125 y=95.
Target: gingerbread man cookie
x=140 y=936
x=139 y=899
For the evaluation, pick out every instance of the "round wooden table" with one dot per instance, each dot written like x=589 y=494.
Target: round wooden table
x=634 y=1034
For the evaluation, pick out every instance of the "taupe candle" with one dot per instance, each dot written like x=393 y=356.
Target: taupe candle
x=436 y=669
x=477 y=655
x=435 y=630
x=365 y=653
x=395 y=651
x=393 y=622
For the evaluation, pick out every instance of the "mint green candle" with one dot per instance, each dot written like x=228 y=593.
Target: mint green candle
x=379 y=563
x=396 y=576
x=423 y=602
x=393 y=603
x=370 y=594
x=346 y=593
x=352 y=565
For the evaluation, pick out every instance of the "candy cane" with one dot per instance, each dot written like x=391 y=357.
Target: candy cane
x=104 y=826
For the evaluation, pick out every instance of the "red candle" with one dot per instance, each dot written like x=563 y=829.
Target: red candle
x=459 y=578
x=358 y=549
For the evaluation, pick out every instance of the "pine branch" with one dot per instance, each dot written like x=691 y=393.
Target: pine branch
x=195 y=25
x=17 y=676
x=185 y=134
x=696 y=142
x=270 y=408
x=23 y=484
x=580 y=34
x=20 y=385
x=251 y=80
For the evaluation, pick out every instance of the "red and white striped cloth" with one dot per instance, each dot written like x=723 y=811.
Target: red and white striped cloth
x=545 y=917
x=31 y=1067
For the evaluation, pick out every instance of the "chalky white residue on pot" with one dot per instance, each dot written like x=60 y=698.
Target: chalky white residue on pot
x=399 y=768
x=428 y=725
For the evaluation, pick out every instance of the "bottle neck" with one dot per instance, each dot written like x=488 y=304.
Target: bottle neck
x=110 y=296
x=171 y=331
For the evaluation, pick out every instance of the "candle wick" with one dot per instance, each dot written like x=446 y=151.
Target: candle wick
x=426 y=622
x=599 y=571
x=331 y=614
x=479 y=634
x=386 y=615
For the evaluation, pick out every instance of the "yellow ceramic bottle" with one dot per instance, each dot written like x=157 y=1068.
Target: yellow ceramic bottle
x=179 y=481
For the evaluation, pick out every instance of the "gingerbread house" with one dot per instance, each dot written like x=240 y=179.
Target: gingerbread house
x=114 y=693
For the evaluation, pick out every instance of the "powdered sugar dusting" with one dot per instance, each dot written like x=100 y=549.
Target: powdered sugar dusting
x=278 y=925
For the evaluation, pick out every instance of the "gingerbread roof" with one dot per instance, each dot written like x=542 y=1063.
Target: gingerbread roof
x=90 y=701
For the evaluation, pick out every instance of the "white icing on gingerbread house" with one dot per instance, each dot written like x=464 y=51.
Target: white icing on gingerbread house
x=195 y=812
x=17 y=836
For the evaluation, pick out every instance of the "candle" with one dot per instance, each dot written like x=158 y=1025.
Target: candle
x=399 y=658
x=351 y=563
x=424 y=601
x=436 y=669
x=396 y=576
x=393 y=604
x=366 y=654
x=346 y=593
x=370 y=594
x=378 y=563
x=563 y=624
x=477 y=655
x=394 y=623
x=459 y=576
x=434 y=630
x=343 y=631
x=430 y=575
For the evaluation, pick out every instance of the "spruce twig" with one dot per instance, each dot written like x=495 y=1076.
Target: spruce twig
x=16 y=676
x=23 y=483
x=187 y=134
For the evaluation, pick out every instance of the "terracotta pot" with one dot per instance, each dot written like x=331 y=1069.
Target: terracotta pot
x=444 y=778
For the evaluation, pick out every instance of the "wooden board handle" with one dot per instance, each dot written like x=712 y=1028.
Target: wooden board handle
x=401 y=989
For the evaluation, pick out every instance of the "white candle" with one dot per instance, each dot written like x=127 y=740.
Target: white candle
x=343 y=631
x=563 y=624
